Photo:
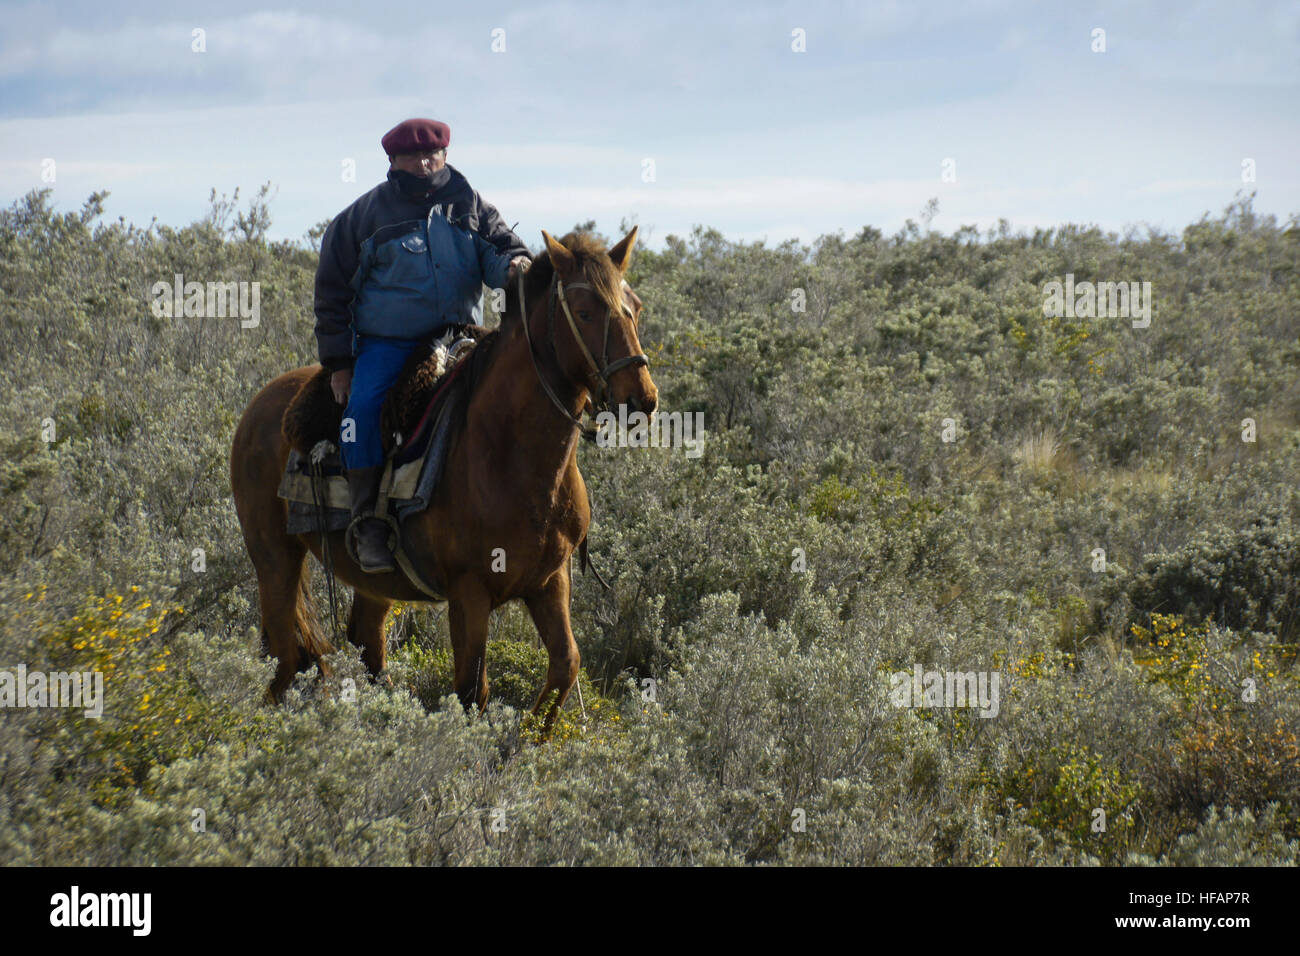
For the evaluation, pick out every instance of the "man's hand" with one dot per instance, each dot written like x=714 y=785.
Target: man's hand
x=517 y=265
x=341 y=383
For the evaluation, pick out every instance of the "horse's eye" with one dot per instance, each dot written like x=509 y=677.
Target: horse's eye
x=586 y=317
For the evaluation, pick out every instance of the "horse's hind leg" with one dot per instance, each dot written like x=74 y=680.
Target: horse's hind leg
x=366 y=631
x=288 y=625
x=257 y=459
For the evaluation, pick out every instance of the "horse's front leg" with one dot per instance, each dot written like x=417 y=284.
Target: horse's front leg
x=550 y=612
x=468 y=610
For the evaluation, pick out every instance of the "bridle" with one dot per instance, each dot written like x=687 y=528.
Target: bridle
x=600 y=392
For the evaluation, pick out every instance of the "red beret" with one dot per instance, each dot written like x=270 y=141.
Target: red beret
x=416 y=136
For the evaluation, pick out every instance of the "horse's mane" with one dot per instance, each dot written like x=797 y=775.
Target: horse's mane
x=593 y=261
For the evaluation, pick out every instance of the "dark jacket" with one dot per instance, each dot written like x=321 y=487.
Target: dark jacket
x=402 y=265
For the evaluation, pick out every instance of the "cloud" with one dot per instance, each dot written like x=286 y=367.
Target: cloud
x=87 y=169
x=1176 y=187
x=257 y=57
x=262 y=40
x=748 y=136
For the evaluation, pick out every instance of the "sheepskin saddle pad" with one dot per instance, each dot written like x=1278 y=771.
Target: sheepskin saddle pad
x=314 y=416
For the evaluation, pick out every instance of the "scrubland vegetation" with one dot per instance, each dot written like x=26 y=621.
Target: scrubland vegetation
x=1097 y=532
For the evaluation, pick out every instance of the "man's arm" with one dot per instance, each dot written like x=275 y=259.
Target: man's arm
x=494 y=229
x=334 y=294
x=494 y=265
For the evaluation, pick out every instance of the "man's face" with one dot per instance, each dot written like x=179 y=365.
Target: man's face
x=420 y=164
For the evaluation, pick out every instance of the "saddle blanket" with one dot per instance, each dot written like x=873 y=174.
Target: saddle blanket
x=412 y=488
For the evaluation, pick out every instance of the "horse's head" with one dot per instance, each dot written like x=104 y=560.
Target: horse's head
x=594 y=330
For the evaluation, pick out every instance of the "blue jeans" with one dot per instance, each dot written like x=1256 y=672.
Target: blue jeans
x=378 y=362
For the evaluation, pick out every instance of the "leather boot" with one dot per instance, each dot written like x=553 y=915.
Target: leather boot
x=371 y=535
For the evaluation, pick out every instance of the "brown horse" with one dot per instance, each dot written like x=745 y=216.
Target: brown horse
x=510 y=481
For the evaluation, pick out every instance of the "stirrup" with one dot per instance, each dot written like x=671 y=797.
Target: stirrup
x=350 y=536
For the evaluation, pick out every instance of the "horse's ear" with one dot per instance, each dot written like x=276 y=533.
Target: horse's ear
x=561 y=257
x=621 y=254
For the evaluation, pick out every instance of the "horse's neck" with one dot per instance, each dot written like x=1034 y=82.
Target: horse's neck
x=511 y=417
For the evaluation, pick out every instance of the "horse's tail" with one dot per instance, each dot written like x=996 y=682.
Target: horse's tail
x=310 y=632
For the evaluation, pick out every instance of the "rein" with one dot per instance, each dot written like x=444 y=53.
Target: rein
x=327 y=560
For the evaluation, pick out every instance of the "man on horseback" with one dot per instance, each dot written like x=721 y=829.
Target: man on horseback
x=407 y=259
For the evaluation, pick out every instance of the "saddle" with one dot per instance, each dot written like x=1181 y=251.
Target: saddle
x=313 y=416
x=417 y=420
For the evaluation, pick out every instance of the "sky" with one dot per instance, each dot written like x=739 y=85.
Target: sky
x=670 y=115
